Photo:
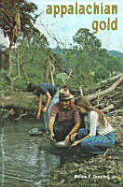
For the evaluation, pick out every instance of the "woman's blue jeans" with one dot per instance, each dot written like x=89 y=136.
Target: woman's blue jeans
x=96 y=144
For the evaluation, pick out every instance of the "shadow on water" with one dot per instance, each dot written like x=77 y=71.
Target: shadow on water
x=22 y=161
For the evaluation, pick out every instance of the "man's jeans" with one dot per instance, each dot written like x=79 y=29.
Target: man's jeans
x=54 y=100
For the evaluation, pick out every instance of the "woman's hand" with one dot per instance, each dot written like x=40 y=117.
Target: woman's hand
x=75 y=143
x=79 y=141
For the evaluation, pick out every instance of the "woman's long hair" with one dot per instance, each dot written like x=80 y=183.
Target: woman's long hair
x=83 y=102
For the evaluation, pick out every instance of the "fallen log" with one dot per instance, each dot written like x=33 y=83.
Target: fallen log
x=108 y=108
x=106 y=82
x=119 y=111
x=102 y=93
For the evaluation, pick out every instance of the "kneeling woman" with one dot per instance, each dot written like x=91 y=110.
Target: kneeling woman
x=99 y=133
x=64 y=118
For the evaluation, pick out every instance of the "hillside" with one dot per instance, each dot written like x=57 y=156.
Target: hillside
x=113 y=53
x=117 y=54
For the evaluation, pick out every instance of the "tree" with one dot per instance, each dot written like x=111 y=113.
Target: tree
x=15 y=16
x=11 y=12
x=86 y=39
x=88 y=46
x=93 y=63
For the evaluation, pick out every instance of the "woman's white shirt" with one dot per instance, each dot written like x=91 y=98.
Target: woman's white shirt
x=94 y=126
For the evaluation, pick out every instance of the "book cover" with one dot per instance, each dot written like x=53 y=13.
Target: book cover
x=73 y=43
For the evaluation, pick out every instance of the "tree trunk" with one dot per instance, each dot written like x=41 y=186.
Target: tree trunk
x=10 y=60
x=47 y=71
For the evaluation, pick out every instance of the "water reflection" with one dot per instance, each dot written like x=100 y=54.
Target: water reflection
x=23 y=163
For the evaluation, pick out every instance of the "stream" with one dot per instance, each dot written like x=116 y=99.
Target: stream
x=22 y=161
x=30 y=161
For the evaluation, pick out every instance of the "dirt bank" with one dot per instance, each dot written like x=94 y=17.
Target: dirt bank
x=16 y=104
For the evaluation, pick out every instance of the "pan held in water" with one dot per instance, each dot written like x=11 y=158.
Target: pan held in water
x=105 y=25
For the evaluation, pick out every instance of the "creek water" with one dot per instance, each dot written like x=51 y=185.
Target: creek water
x=23 y=158
x=28 y=161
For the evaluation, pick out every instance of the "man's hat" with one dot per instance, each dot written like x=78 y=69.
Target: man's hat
x=64 y=94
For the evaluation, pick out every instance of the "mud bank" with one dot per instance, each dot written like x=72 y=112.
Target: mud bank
x=18 y=104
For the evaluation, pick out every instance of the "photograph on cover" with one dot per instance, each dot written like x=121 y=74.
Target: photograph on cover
x=61 y=101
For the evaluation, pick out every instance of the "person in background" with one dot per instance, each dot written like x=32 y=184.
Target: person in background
x=43 y=89
x=64 y=118
x=99 y=132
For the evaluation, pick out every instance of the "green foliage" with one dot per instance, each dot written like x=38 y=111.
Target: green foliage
x=32 y=60
x=88 y=62
x=7 y=16
x=92 y=63
x=86 y=39
x=31 y=44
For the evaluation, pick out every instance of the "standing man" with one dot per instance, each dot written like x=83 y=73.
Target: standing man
x=43 y=89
